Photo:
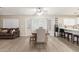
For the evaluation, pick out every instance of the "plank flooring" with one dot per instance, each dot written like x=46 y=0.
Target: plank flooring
x=22 y=44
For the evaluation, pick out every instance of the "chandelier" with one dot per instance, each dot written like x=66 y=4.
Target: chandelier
x=39 y=11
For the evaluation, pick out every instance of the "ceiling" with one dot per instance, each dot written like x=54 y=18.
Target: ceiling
x=31 y=10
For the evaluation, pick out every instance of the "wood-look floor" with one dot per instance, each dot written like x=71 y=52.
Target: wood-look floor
x=22 y=44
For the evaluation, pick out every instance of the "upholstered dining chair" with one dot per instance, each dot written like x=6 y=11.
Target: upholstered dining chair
x=41 y=35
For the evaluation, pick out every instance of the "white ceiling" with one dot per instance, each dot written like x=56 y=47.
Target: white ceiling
x=31 y=11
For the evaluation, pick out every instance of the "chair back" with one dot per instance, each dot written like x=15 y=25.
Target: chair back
x=41 y=35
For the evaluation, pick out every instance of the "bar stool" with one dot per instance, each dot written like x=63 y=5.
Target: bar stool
x=62 y=32
x=76 y=34
x=76 y=37
x=69 y=33
x=65 y=33
x=56 y=31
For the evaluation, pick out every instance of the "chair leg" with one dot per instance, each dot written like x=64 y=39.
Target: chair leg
x=64 y=34
x=72 y=39
x=68 y=37
x=77 y=40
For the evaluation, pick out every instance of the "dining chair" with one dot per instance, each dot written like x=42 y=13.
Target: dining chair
x=41 y=35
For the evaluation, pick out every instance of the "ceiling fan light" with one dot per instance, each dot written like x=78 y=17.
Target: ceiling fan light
x=40 y=13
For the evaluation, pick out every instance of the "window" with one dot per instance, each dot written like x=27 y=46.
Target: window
x=69 y=21
x=10 y=23
x=77 y=21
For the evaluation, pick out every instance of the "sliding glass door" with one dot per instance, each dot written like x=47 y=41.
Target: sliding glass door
x=34 y=23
